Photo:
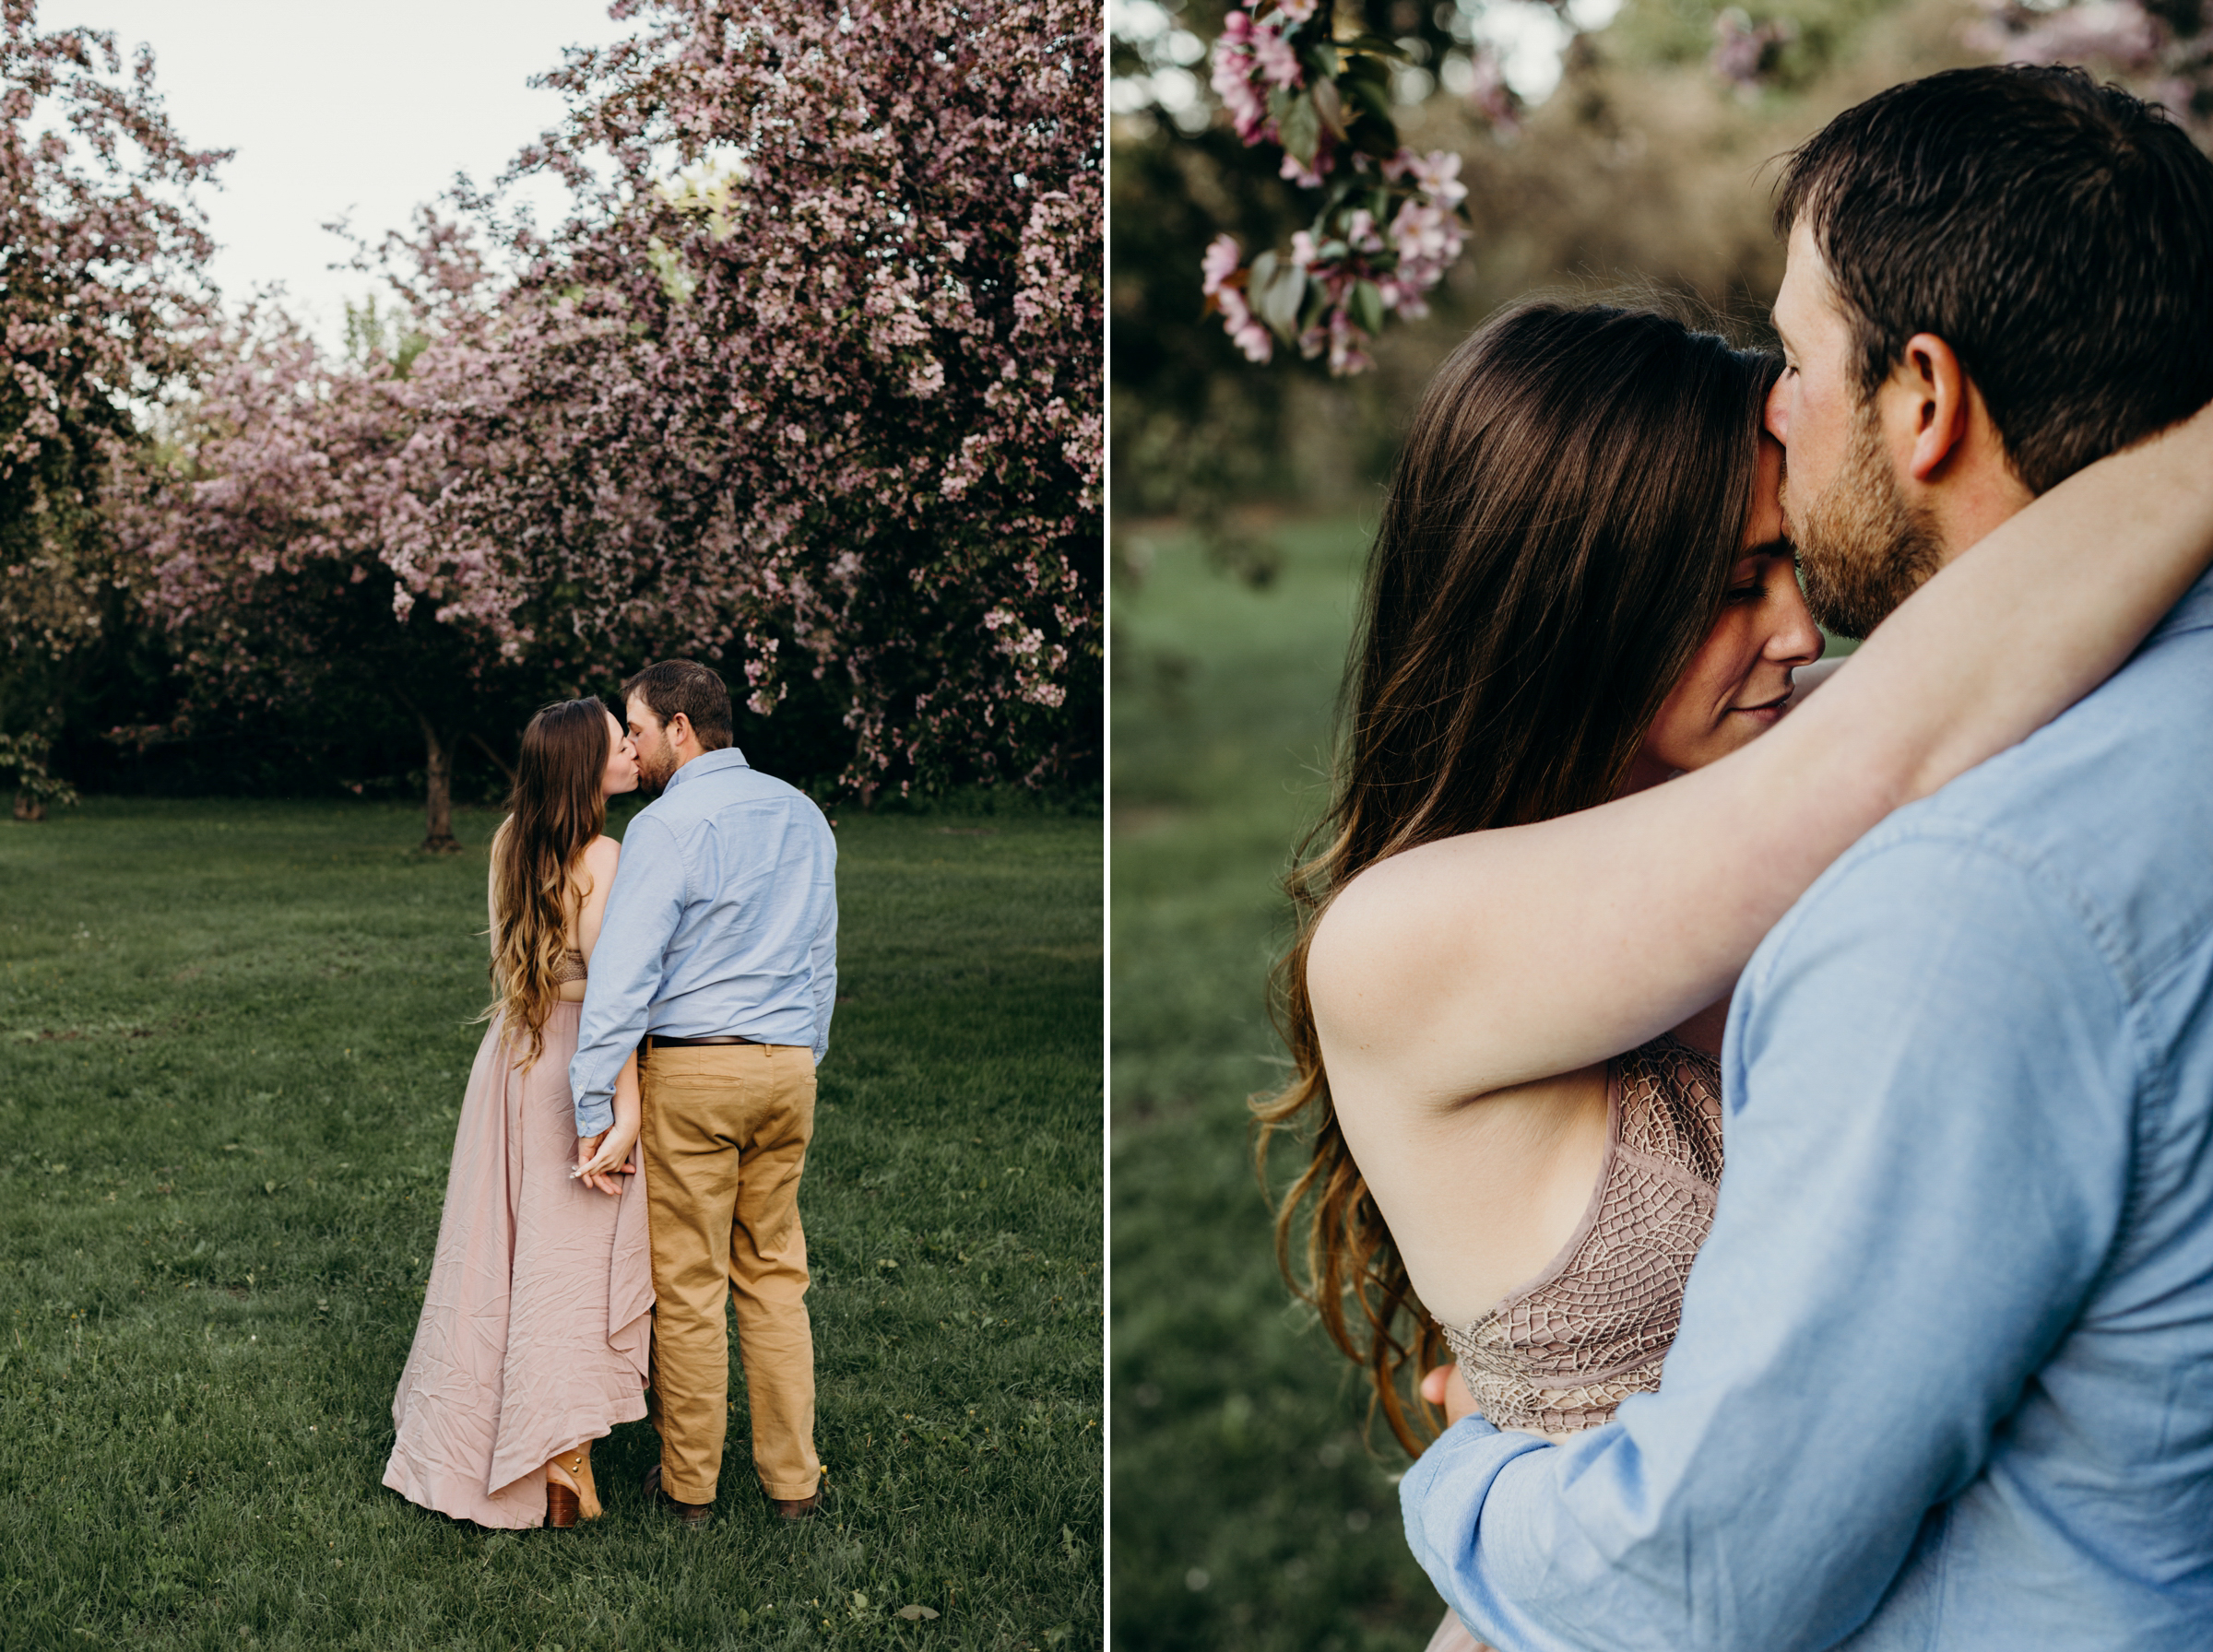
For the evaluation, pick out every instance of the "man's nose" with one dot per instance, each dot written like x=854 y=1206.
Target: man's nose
x=1779 y=412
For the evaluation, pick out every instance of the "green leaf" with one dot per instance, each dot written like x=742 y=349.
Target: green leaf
x=1322 y=59
x=1311 y=317
x=1263 y=272
x=1329 y=106
x=1373 y=45
x=1278 y=302
x=1372 y=100
x=1367 y=307
x=915 y=1614
x=1301 y=129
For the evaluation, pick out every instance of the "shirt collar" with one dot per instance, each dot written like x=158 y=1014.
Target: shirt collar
x=710 y=762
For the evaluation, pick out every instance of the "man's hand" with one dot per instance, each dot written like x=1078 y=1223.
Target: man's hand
x=600 y=1179
x=1441 y=1385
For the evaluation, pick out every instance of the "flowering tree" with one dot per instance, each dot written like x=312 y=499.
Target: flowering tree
x=1388 y=221
x=829 y=407
x=102 y=302
x=289 y=537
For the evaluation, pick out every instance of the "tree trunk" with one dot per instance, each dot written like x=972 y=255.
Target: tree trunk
x=500 y=762
x=438 y=754
x=29 y=807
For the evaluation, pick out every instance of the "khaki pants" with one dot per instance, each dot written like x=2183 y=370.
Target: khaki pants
x=726 y=1128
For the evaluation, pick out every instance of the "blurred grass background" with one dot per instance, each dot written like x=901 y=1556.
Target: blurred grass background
x=233 y=1041
x=1248 y=1512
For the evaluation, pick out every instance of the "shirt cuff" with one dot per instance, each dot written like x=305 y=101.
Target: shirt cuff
x=594 y=1113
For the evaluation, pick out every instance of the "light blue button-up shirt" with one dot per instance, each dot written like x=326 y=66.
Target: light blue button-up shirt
x=723 y=920
x=1945 y=1378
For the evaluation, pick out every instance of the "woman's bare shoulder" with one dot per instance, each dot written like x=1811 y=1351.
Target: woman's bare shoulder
x=1375 y=925
x=602 y=852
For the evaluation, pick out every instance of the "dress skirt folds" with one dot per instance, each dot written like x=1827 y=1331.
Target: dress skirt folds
x=536 y=1326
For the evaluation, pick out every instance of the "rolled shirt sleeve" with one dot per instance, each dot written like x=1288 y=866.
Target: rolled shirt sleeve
x=626 y=967
x=1929 y=1154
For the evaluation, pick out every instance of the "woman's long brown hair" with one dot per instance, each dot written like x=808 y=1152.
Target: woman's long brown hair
x=1556 y=544
x=558 y=806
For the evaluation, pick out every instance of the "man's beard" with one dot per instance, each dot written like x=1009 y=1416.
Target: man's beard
x=654 y=769
x=1862 y=548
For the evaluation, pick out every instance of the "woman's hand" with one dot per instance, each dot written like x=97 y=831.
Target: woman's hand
x=1441 y=1387
x=601 y=1158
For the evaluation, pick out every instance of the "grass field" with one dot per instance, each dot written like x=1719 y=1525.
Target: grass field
x=1248 y=1511
x=232 y=1056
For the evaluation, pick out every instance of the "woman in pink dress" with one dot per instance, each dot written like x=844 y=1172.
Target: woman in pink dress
x=536 y=1326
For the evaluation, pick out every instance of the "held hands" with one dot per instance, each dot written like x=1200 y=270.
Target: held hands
x=601 y=1158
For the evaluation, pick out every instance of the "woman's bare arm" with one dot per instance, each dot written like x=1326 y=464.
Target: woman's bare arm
x=601 y=857
x=492 y=888
x=1501 y=957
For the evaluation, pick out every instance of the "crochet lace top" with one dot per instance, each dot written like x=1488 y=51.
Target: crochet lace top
x=1558 y=1354
x=572 y=967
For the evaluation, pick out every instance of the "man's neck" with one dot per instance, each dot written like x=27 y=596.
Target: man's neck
x=1975 y=505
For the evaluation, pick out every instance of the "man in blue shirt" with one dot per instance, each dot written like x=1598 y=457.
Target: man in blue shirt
x=718 y=963
x=1945 y=1374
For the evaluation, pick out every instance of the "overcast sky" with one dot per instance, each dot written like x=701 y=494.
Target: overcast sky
x=342 y=107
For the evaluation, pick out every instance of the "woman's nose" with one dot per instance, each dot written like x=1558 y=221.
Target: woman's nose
x=1797 y=641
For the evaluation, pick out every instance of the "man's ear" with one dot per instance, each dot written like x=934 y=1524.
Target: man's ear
x=1928 y=404
x=678 y=730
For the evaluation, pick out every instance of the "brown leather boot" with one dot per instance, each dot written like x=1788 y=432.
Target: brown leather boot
x=797 y=1509
x=694 y=1515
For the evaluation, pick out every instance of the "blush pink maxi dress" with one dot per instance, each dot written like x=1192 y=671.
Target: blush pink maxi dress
x=536 y=1326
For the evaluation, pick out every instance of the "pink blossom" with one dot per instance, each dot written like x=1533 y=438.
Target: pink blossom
x=1233 y=81
x=1244 y=330
x=1273 y=57
x=1219 y=263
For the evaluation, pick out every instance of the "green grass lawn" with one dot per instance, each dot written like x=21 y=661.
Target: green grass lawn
x=1248 y=1510
x=232 y=1048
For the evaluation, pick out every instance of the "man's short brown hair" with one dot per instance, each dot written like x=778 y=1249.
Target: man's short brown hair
x=2057 y=233
x=668 y=687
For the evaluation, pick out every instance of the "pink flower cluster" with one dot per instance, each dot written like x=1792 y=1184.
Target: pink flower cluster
x=1350 y=261
x=1221 y=281
x=1390 y=224
x=1250 y=59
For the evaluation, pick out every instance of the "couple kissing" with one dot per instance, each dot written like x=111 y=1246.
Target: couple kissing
x=635 y=1127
